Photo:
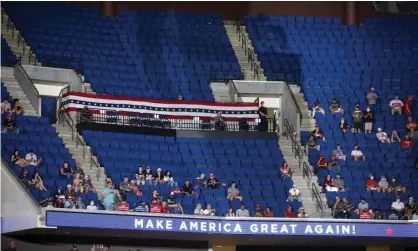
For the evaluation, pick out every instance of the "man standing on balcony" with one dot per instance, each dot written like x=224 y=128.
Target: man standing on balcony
x=262 y=113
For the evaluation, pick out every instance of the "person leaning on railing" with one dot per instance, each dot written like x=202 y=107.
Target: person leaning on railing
x=86 y=115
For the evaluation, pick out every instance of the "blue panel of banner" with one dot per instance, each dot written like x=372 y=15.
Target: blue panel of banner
x=227 y=226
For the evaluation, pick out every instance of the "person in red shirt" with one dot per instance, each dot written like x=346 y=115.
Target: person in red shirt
x=164 y=207
x=407 y=144
x=268 y=212
x=322 y=162
x=155 y=207
x=411 y=125
x=407 y=105
x=289 y=213
x=371 y=184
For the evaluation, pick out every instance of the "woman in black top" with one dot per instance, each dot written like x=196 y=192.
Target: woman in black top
x=158 y=177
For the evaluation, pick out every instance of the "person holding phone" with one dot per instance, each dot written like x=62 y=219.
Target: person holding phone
x=108 y=197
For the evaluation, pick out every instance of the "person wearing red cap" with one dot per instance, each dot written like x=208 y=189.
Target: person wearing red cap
x=289 y=212
x=212 y=181
x=407 y=105
x=258 y=212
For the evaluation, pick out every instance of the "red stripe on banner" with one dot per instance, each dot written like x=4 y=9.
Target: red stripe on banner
x=111 y=97
x=125 y=113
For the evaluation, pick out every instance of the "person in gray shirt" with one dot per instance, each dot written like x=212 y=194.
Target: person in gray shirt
x=372 y=98
x=242 y=212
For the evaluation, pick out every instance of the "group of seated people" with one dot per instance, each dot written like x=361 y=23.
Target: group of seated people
x=9 y=124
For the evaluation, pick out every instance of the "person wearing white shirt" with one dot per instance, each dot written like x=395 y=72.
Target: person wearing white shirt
x=198 y=210
x=32 y=159
x=398 y=205
x=382 y=136
x=168 y=178
x=209 y=211
x=294 y=194
x=396 y=105
x=91 y=206
x=357 y=154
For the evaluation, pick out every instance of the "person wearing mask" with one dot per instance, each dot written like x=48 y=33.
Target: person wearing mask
x=344 y=125
x=407 y=145
x=316 y=107
x=242 y=212
x=411 y=205
x=91 y=206
x=339 y=153
x=368 y=120
x=371 y=184
x=108 y=197
x=262 y=114
x=372 y=99
x=398 y=206
x=407 y=105
x=383 y=185
x=382 y=136
x=357 y=119
x=396 y=105
x=396 y=187
x=411 y=125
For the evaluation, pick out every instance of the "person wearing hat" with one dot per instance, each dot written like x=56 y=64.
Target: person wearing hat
x=411 y=204
x=258 y=212
x=148 y=176
x=398 y=206
x=382 y=136
x=302 y=213
x=357 y=115
x=212 y=181
x=158 y=177
x=396 y=187
x=294 y=194
x=69 y=192
x=69 y=203
x=372 y=99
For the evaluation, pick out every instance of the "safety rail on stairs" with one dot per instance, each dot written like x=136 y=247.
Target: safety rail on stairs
x=290 y=133
x=249 y=52
x=316 y=196
x=307 y=173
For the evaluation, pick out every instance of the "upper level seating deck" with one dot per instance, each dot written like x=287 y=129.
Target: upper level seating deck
x=158 y=55
x=253 y=164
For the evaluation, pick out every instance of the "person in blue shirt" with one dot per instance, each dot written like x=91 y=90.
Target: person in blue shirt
x=69 y=203
x=108 y=197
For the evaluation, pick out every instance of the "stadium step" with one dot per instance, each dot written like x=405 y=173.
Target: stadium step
x=18 y=46
x=220 y=92
x=241 y=52
x=81 y=154
x=308 y=122
x=13 y=87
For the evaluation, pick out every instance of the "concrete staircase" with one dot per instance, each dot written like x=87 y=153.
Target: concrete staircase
x=87 y=88
x=308 y=122
x=220 y=92
x=231 y=31
x=19 y=48
x=9 y=80
x=64 y=132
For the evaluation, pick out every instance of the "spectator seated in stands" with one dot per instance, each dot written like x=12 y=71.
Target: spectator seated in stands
x=333 y=163
x=398 y=206
x=78 y=183
x=213 y=182
x=338 y=182
x=148 y=176
x=379 y=215
x=383 y=185
x=268 y=212
x=396 y=105
x=17 y=159
x=339 y=153
x=86 y=115
x=242 y=212
x=158 y=177
x=125 y=187
x=357 y=154
x=407 y=105
x=17 y=107
x=140 y=176
x=372 y=98
x=328 y=185
x=289 y=212
x=368 y=120
x=32 y=159
x=24 y=177
x=198 y=210
x=5 y=106
x=168 y=179
x=335 y=106
x=10 y=125
x=362 y=206
x=66 y=171
x=141 y=208
x=155 y=207
x=294 y=194
x=285 y=171
x=164 y=207
x=396 y=187
x=201 y=181
x=312 y=144
x=415 y=216
x=180 y=98
x=357 y=115
x=407 y=215
x=371 y=184
x=209 y=211
x=171 y=200
x=233 y=193
x=344 y=125
x=108 y=196
x=79 y=204
x=411 y=125
x=69 y=203
x=316 y=107
x=92 y=206
x=69 y=192
x=87 y=185
x=407 y=145
x=156 y=196
x=411 y=205
x=393 y=215
x=79 y=170
x=318 y=133
x=59 y=198
x=302 y=213
x=219 y=122
x=37 y=182
x=382 y=136
x=395 y=136
x=187 y=189
x=258 y=212
x=230 y=213
x=322 y=162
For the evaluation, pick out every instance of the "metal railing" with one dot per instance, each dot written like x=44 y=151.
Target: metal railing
x=290 y=133
x=249 y=52
x=316 y=196
x=307 y=173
